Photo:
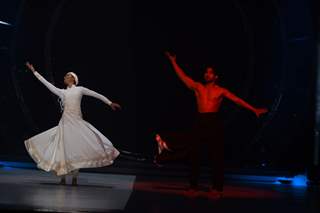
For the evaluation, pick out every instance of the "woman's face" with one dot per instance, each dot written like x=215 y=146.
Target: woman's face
x=69 y=79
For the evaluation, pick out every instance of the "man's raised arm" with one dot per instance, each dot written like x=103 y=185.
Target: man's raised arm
x=190 y=83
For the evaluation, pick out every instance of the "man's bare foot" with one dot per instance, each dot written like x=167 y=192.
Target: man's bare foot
x=192 y=192
x=214 y=194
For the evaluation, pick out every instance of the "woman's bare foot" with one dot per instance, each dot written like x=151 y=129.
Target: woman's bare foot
x=62 y=181
x=74 y=182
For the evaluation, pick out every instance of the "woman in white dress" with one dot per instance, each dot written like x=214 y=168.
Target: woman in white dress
x=74 y=143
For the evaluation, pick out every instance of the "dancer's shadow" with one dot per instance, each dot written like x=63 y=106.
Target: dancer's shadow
x=170 y=188
x=79 y=185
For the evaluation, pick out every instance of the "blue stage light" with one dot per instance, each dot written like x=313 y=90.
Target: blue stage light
x=298 y=180
x=5 y=23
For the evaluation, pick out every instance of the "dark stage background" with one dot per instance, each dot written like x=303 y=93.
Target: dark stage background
x=264 y=51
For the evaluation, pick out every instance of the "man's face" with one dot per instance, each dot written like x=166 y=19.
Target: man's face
x=209 y=75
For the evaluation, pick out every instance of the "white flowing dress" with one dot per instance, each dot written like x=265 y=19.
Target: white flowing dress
x=74 y=143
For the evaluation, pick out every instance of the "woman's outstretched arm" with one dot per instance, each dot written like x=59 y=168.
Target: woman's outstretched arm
x=94 y=94
x=51 y=87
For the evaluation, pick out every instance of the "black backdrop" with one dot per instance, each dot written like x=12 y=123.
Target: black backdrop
x=264 y=51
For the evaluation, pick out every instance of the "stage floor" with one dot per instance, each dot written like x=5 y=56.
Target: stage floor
x=38 y=190
x=35 y=190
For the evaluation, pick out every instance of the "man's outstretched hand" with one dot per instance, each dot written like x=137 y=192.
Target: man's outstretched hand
x=172 y=57
x=259 y=112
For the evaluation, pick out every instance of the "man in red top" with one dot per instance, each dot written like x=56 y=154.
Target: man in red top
x=208 y=129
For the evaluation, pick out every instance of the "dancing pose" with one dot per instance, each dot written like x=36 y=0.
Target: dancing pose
x=208 y=129
x=74 y=143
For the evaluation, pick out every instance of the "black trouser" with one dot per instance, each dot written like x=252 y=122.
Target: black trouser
x=207 y=135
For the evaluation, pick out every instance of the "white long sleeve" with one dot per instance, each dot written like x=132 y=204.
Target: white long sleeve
x=51 y=87
x=88 y=92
